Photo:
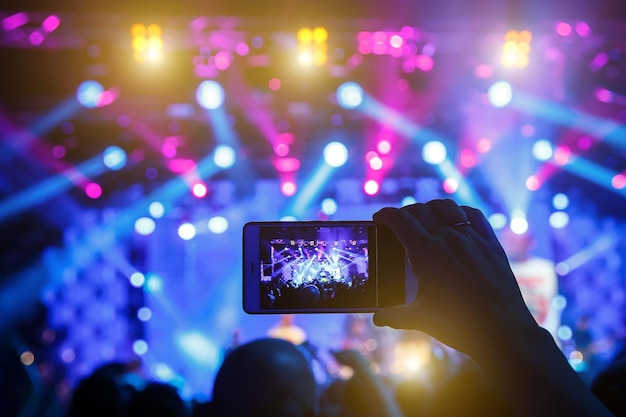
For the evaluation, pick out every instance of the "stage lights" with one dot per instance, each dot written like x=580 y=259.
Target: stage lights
x=147 y=42
x=500 y=94
x=210 y=94
x=434 y=152
x=335 y=154
x=88 y=93
x=349 y=95
x=312 y=46
x=516 y=49
x=224 y=156
x=114 y=158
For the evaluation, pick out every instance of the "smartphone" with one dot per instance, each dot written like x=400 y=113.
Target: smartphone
x=323 y=267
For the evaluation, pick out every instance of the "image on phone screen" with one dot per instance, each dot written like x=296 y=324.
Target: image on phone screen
x=325 y=267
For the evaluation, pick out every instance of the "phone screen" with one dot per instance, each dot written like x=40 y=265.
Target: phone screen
x=318 y=267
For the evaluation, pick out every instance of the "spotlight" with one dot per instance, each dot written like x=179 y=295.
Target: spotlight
x=114 y=158
x=434 y=152
x=210 y=94
x=88 y=93
x=500 y=94
x=335 y=154
x=349 y=95
x=224 y=156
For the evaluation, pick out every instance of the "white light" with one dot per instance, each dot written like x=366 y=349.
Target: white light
x=500 y=94
x=224 y=156
x=497 y=220
x=434 y=152
x=329 y=206
x=199 y=348
x=218 y=225
x=210 y=94
x=519 y=225
x=560 y=201
x=144 y=314
x=376 y=163
x=187 y=231
x=163 y=372
x=145 y=226
x=157 y=210
x=114 y=158
x=137 y=279
x=559 y=219
x=154 y=283
x=140 y=347
x=335 y=154
x=349 y=95
x=565 y=332
x=542 y=150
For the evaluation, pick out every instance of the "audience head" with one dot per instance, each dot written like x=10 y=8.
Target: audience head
x=265 y=377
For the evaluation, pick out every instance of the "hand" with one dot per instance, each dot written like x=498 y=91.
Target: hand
x=468 y=297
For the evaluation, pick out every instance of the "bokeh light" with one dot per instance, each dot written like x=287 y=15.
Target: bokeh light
x=335 y=154
x=93 y=190
x=145 y=226
x=371 y=187
x=560 y=201
x=288 y=188
x=434 y=152
x=224 y=156
x=88 y=93
x=199 y=190
x=500 y=94
x=329 y=206
x=218 y=225
x=349 y=95
x=187 y=231
x=519 y=225
x=542 y=150
x=497 y=220
x=559 y=219
x=137 y=279
x=210 y=94
x=114 y=158
x=156 y=209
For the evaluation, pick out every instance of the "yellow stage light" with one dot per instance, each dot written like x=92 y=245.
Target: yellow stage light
x=312 y=46
x=147 y=42
x=516 y=49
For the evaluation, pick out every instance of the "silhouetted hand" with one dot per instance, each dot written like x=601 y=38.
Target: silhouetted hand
x=466 y=291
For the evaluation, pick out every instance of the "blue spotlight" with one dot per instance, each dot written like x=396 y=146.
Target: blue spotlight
x=542 y=150
x=114 y=158
x=218 y=225
x=335 y=154
x=349 y=95
x=224 y=156
x=329 y=206
x=500 y=94
x=210 y=94
x=88 y=93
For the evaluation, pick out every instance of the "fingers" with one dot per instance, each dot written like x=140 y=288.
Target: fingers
x=450 y=213
x=399 y=317
x=405 y=226
x=481 y=224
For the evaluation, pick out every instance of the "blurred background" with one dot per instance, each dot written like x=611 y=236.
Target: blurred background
x=138 y=137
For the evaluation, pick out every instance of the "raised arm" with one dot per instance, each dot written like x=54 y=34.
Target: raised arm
x=468 y=298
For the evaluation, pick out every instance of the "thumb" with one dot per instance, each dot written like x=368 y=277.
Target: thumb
x=402 y=316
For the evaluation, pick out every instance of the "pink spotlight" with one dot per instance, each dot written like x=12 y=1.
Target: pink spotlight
x=223 y=60
x=424 y=62
x=384 y=147
x=583 y=29
x=604 y=95
x=533 y=183
x=483 y=145
x=169 y=150
x=584 y=143
x=287 y=164
x=370 y=155
x=619 y=181
x=288 y=188
x=242 y=49
x=178 y=166
x=371 y=187
x=274 y=84
x=51 y=23
x=483 y=71
x=563 y=29
x=468 y=158
x=93 y=190
x=14 y=21
x=562 y=155
x=450 y=185
x=36 y=38
x=199 y=190
x=281 y=149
